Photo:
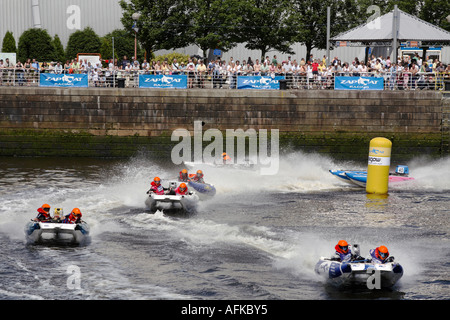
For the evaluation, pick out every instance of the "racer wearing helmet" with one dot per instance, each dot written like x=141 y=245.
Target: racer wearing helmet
x=156 y=187
x=184 y=177
x=343 y=252
x=379 y=255
x=225 y=157
x=43 y=213
x=182 y=189
x=73 y=217
x=198 y=177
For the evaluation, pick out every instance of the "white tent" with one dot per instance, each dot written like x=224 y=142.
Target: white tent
x=382 y=29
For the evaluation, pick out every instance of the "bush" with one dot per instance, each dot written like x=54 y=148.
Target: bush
x=59 y=49
x=83 y=41
x=9 y=43
x=36 y=44
x=170 y=56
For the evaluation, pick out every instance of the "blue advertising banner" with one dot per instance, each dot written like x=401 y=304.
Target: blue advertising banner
x=259 y=82
x=63 y=80
x=163 y=81
x=358 y=83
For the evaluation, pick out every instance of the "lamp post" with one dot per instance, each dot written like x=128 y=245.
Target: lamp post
x=135 y=17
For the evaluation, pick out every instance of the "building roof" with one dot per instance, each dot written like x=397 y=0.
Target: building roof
x=410 y=28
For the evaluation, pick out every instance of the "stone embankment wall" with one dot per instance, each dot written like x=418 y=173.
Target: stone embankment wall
x=119 y=122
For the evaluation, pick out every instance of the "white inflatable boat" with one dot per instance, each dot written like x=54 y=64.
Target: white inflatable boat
x=53 y=232
x=359 y=272
x=173 y=204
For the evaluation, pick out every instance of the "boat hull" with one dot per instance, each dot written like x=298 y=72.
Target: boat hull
x=359 y=178
x=361 y=274
x=203 y=189
x=59 y=233
x=177 y=205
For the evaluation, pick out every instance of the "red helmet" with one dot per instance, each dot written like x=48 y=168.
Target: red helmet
x=343 y=245
x=76 y=212
x=383 y=252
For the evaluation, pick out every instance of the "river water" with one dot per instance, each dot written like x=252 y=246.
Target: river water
x=258 y=239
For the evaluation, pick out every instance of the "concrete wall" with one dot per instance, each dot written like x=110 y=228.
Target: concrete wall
x=117 y=122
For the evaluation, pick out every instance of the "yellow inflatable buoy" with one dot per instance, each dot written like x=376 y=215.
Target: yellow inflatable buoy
x=378 y=166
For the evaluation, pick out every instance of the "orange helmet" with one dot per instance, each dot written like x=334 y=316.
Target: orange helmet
x=383 y=252
x=184 y=171
x=199 y=172
x=76 y=212
x=46 y=207
x=157 y=180
x=183 y=186
x=343 y=245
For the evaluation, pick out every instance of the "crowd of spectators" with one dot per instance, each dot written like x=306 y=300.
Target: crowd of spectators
x=407 y=72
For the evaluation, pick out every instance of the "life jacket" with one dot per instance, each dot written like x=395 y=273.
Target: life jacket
x=184 y=179
x=344 y=256
x=375 y=255
x=71 y=219
x=158 y=189
x=196 y=178
x=43 y=215
x=182 y=193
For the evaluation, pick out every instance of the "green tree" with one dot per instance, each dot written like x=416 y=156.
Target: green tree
x=9 y=43
x=59 y=49
x=162 y=23
x=409 y=6
x=83 y=41
x=310 y=20
x=123 y=45
x=36 y=44
x=436 y=12
x=214 y=24
x=266 y=26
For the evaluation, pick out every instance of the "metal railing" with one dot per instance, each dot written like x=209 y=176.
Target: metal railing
x=300 y=80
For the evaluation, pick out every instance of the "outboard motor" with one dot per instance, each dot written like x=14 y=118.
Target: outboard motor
x=172 y=185
x=355 y=249
x=402 y=170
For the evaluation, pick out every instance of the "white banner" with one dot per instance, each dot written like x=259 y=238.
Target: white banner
x=379 y=161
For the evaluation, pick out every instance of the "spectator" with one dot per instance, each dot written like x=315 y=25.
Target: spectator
x=145 y=66
x=20 y=73
x=190 y=68
x=1 y=71
x=175 y=67
x=257 y=68
x=157 y=67
x=201 y=73
x=165 y=68
x=58 y=68
x=264 y=68
x=125 y=62
x=8 y=72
